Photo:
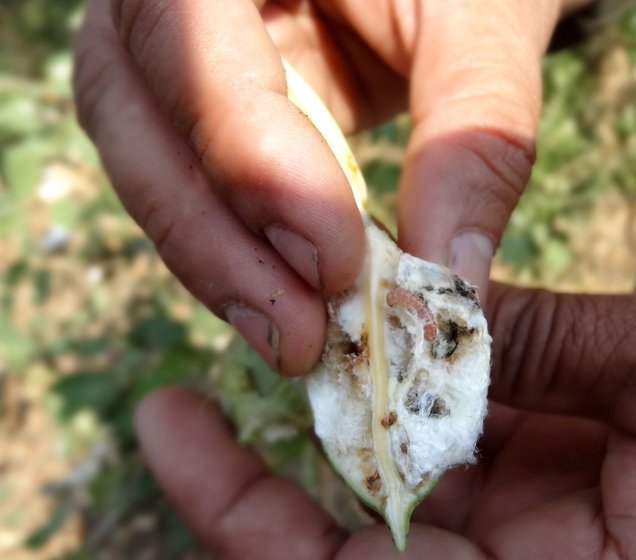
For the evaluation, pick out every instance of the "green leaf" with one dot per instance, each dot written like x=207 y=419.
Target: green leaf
x=178 y=535
x=41 y=535
x=85 y=347
x=255 y=415
x=16 y=347
x=19 y=116
x=204 y=322
x=628 y=23
x=158 y=331
x=23 y=165
x=57 y=70
x=42 y=284
x=517 y=250
x=75 y=146
x=86 y=391
x=382 y=176
x=12 y=216
x=396 y=131
x=16 y=272
x=177 y=366
x=556 y=256
x=65 y=213
x=264 y=380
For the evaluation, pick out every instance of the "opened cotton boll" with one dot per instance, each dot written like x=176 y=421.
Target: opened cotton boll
x=399 y=395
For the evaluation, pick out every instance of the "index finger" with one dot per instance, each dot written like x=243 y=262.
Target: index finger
x=217 y=75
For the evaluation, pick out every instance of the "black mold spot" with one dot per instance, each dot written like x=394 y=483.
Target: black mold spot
x=412 y=401
x=353 y=348
x=373 y=482
x=442 y=291
x=465 y=290
x=449 y=336
x=439 y=408
x=417 y=401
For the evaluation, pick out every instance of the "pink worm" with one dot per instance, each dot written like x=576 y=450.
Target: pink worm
x=413 y=302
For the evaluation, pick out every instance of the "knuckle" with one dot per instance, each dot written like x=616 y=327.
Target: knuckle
x=506 y=162
x=159 y=223
x=164 y=236
x=144 y=28
x=117 y=9
x=93 y=74
x=612 y=350
x=525 y=345
x=195 y=130
x=125 y=15
x=139 y=24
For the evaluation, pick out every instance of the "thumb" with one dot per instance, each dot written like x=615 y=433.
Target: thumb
x=475 y=104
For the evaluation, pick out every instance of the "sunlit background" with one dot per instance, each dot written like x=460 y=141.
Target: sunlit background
x=90 y=320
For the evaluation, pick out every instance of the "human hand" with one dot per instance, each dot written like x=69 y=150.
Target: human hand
x=556 y=477
x=186 y=103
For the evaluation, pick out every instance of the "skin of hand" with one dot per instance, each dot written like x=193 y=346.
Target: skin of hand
x=186 y=102
x=556 y=476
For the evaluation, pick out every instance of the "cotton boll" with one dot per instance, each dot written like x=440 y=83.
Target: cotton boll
x=399 y=395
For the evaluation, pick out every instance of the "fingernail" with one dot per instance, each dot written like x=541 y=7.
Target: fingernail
x=257 y=330
x=300 y=253
x=470 y=256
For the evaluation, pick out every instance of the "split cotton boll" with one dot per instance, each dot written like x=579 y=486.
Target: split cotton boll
x=400 y=393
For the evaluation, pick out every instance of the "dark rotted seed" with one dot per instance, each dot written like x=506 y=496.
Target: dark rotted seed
x=439 y=408
x=465 y=290
x=389 y=419
x=373 y=482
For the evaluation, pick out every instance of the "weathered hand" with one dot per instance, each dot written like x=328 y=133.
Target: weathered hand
x=186 y=102
x=556 y=478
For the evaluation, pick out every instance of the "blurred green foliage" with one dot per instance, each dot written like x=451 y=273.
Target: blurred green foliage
x=31 y=31
x=83 y=296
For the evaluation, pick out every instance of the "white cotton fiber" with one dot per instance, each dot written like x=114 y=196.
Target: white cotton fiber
x=400 y=393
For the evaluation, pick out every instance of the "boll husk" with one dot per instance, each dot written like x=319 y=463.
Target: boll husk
x=400 y=393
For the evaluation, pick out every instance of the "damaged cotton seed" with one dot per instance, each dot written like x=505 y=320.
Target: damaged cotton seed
x=389 y=419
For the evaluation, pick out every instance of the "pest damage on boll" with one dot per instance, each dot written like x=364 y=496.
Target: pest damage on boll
x=400 y=393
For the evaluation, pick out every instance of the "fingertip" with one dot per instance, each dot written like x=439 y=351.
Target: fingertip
x=284 y=322
x=290 y=347
x=293 y=192
x=457 y=194
x=302 y=339
x=471 y=255
x=146 y=410
x=300 y=253
x=340 y=274
x=155 y=409
x=258 y=331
